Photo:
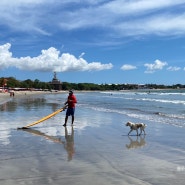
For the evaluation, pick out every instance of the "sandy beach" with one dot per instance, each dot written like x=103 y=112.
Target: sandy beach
x=4 y=97
x=96 y=150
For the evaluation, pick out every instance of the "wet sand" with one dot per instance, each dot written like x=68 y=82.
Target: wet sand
x=4 y=97
x=97 y=155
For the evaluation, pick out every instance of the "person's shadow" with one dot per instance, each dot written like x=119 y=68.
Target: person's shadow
x=138 y=143
x=69 y=143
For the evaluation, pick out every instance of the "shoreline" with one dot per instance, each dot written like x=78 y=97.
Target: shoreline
x=5 y=97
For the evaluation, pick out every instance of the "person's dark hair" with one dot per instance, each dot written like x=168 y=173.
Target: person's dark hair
x=71 y=92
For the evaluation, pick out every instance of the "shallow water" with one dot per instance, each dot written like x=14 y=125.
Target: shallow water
x=96 y=150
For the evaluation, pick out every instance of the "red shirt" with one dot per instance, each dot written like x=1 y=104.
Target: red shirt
x=71 y=101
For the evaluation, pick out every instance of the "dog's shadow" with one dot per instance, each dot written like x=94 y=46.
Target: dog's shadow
x=136 y=143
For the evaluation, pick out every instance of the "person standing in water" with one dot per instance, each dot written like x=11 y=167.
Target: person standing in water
x=71 y=101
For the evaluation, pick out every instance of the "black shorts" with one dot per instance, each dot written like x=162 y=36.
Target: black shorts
x=70 y=112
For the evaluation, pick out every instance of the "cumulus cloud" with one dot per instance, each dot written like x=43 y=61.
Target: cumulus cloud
x=157 y=65
x=49 y=60
x=127 y=67
x=173 y=68
x=5 y=56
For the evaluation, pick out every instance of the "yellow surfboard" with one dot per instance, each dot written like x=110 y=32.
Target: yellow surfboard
x=44 y=118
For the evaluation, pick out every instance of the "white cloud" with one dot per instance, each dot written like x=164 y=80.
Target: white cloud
x=127 y=67
x=173 y=68
x=157 y=65
x=125 y=18
x=129 y=18
x=5 y=56
x=81 y=55
x=49 y=60
x=162 y=25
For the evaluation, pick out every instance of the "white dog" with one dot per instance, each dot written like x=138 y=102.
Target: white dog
x=136 y=126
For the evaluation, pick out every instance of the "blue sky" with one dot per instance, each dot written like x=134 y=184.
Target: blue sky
x=93 y=41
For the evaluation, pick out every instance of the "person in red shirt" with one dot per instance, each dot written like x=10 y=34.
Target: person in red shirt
x=71 y=101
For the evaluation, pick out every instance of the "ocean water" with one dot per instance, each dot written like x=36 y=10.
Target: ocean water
x=161 y=106
x=94 y=109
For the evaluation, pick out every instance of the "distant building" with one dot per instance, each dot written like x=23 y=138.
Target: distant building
x=55 y=83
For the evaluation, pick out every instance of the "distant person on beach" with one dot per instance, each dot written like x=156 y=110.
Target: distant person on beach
x=12 y=93
x=71 y=101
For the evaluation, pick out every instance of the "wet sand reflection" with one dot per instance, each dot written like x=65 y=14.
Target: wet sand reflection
x=68 y=142
x=137 y=143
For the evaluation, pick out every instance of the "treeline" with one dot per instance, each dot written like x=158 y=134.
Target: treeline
x=104 y=87
x=11 y=82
